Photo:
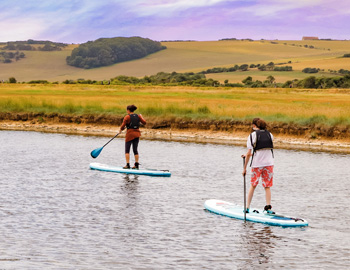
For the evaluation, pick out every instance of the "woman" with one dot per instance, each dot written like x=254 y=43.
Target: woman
x=260 y=148
x=132 y=123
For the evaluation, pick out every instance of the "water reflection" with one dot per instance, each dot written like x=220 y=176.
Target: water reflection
x=258 y=244
x=130 y=186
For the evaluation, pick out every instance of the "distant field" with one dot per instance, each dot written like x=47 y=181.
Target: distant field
x=184 y=56
x=324 y=107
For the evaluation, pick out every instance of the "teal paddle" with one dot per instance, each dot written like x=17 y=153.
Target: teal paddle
x=95 y=153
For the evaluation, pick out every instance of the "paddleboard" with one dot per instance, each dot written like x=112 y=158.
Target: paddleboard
x=254 y=215
x=115 y=169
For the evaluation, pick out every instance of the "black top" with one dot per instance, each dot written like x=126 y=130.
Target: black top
x=263 y=140
x=134 y=121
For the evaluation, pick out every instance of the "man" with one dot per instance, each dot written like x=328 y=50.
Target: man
x=260 y=148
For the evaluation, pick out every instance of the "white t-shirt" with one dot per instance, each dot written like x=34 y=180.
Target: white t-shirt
x=263 y=157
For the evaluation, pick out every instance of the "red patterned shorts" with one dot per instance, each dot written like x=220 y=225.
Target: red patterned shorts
x=266 y=174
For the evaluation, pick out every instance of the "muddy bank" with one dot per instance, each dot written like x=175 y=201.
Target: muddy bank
x=289 y=136
x=310 y=131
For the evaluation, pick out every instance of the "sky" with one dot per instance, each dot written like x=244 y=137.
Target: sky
x=78 y=21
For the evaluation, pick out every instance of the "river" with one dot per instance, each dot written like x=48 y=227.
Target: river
x=55 y=213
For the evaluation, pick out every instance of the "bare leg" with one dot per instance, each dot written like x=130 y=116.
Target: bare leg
x=268 y=195
x=127 y=157
x=250 y=195
x=136 y=158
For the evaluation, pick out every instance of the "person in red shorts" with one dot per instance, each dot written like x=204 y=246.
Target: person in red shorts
x=260 y=149
x=132 y=123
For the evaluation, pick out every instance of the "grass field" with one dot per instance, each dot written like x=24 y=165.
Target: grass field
x=325 y=107
x=184 y=56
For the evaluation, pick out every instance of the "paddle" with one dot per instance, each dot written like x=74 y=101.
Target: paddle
x=245 y=205
x=97 y=151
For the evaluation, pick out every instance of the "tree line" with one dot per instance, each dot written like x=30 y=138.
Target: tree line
x=28 y=45
x=8 y=57
x=245 y=67
x=108 y=51
x=199 y=80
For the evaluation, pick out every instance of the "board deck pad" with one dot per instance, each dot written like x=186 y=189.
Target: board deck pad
x=115 y=169
x=254 y=215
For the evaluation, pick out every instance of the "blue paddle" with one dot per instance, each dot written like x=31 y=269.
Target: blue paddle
x=95 y=153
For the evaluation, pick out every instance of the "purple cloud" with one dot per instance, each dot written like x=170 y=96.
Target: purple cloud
x=83 y=20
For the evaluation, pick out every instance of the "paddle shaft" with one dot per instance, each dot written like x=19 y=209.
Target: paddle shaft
x=110 y=140
x=245 y=203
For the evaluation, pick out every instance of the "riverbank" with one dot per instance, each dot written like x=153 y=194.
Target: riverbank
x=238 y=137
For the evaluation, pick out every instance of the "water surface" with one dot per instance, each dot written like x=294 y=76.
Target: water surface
x=57 y=214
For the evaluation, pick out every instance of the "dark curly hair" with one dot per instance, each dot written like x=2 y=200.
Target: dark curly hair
x=131 y=108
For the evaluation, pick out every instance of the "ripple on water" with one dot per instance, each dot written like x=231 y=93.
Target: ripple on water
x=58 y=214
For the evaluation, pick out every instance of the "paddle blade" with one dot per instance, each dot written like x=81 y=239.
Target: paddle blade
x=96 y=152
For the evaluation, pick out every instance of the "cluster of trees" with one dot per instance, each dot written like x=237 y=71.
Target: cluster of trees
x=83 y=81
x=347 y=55
x=7 y=57
x=233 y=39
x=306 y=46
x=27 y=45
x=309 y=82
x=320 y=83
x=243 y=67
x=344 y=71
x=195 y=79
x=12 y=46
x=311 y=70
x=262 y=67
x=285 y=68
x=163 y=78
x=108 y=51
x=269 y=82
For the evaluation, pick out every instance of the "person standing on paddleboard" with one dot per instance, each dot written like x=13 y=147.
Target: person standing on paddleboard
x=132 y=123
x=260 y=149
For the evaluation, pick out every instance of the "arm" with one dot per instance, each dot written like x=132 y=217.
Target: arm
x=125 y=122
x=142 y=120
x=247 y=158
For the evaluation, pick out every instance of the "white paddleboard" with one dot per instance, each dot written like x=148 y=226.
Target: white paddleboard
x=115 y=169
x=254 y=215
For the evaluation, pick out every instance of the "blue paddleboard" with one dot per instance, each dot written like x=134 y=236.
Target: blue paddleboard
x=254 y=215
x=115 y=169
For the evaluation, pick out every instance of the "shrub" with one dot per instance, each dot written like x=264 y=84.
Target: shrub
x=310 y=70
x=38 y=82
x=12 y=80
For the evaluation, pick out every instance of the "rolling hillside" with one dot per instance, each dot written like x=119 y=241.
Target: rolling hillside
x=190 y=56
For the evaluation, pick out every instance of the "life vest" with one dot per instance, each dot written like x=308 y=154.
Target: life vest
x=134 y=121
x=263 y=141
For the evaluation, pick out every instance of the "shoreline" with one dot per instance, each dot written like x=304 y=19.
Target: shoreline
x=187 y=135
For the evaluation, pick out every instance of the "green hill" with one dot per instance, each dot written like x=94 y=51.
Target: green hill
x=189 y=56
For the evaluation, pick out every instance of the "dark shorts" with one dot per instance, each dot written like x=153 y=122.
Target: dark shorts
x=134 y=143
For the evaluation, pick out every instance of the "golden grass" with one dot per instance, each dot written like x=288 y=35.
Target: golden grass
x=326 y=64
x=331 y=107
x=180 y=57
